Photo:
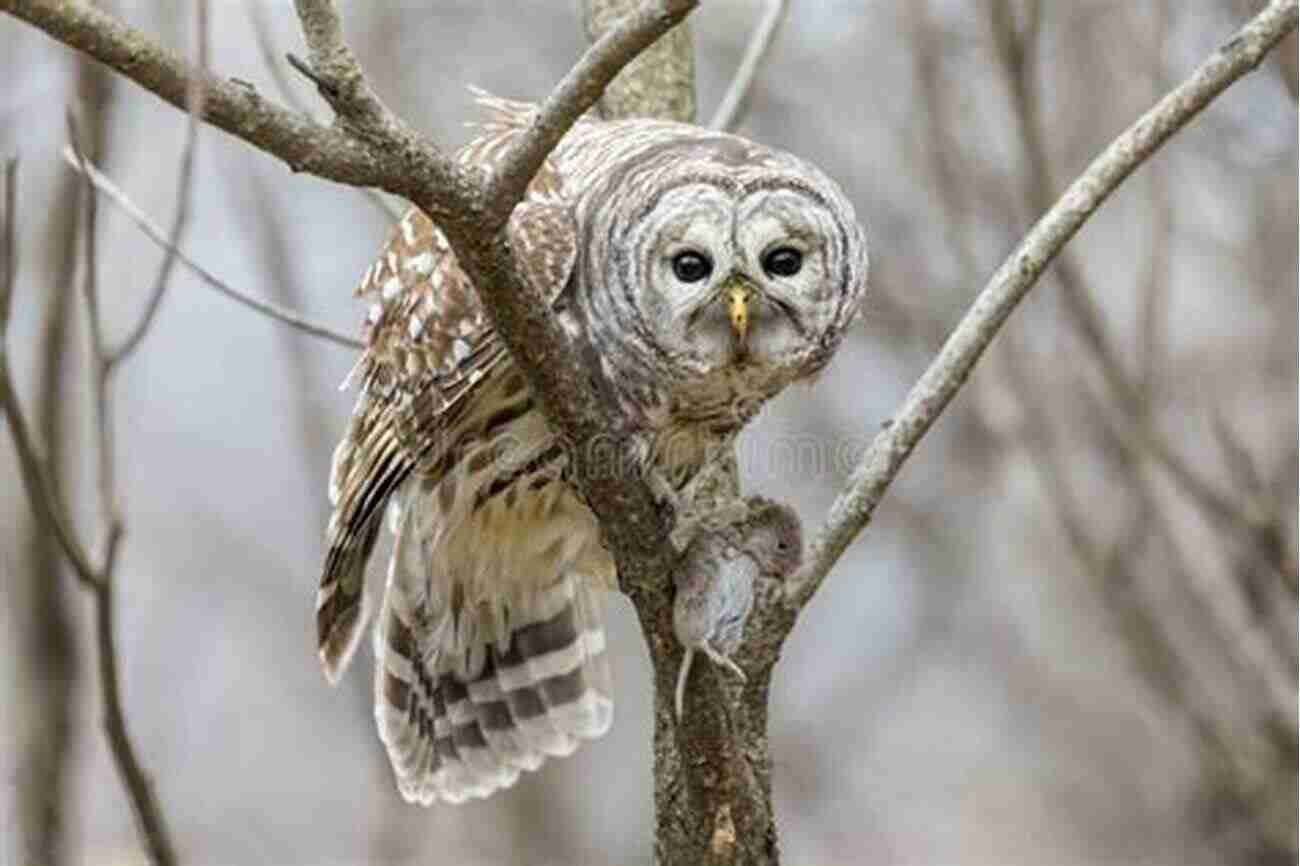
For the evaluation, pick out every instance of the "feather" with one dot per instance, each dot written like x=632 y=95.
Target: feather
x=466 y=699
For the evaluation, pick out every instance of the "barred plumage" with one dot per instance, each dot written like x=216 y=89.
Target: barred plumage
x=489 y=644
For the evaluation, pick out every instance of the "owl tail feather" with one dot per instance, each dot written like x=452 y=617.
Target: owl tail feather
x=467 y=699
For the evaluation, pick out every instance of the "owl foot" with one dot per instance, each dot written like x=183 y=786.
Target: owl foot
x=684 y=672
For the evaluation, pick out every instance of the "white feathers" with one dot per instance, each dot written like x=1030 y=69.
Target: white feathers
x=421 y=264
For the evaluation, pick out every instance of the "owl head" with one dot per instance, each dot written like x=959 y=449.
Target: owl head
x=722 y=269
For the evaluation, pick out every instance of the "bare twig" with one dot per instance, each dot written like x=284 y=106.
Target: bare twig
x=273 y=61
x=735 y=102
x=8 y=241
x=35 y=474
x=369 y=146
x=36 y=479
x=852 y=510
x=184 y=194
x=659 y=83
x=1224 y=603
x=1155 y=292
x=98 y=576
x=149 y=817
x=49 y=646
x=303 y=68
x=111 y=523
x=95 y=576
x=576 y=93
x=1084 y=314
x=403 y=163
x=156 y=233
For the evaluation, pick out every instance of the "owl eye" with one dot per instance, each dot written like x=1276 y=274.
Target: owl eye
x=691 y=267
x=783 y=262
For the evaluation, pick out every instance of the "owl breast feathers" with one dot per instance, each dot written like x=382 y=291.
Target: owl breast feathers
x=703 y=273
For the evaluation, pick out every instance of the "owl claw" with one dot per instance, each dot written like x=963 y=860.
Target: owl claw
x=683 y=673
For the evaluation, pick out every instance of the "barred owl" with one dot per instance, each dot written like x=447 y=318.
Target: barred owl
x=703 y=273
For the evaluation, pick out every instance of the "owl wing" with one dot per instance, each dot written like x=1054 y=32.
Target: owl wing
x=429 y=342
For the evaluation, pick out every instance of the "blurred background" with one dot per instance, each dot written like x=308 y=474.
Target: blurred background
x=1069 y=636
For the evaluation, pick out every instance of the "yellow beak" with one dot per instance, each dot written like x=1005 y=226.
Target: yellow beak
x=738 y=295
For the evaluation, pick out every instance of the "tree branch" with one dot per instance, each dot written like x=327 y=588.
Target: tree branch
x=274 y=64
x=227 y=104
x=368 y=145
x=576 y=93
x=936 y=388
x=185 y=193
x=97 y=577
x=659 y=83
x=149 y=817
x=735 y=102
x=35 y=474
x=155 y=233
x=1085 y=317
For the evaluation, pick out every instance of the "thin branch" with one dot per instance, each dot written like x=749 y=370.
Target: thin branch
x=273 y=61
x=99 y=363
x=334 y=68
x=35 y=474
x=46 y=503
x=735 y=103
x=1253 y=528
x=1084 y=314
x=155 y=233
x=303 y=68
x=392 y=156
x=368 y=146
x=852 y=510
x=36 y=479
x=659 y=82
x=575 y=94
x=9 y=241
x=148 y=813
x=184 y=195
x=1227 y=608
x=1154 y=307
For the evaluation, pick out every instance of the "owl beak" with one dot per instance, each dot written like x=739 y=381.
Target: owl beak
x=738 y=294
